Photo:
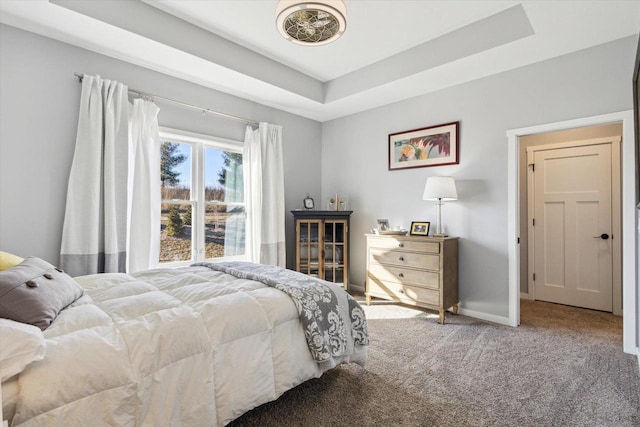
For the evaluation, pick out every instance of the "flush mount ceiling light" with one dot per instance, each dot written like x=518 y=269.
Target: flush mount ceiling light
x=311 y=23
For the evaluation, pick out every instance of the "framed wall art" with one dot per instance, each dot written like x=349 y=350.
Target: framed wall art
x=636 y=113
x=430 y=146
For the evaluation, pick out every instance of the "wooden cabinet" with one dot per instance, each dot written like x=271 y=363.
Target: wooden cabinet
x=322 y=244
x=416 y=270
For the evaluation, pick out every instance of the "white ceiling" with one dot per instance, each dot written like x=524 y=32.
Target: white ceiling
x=376 y=29
x=391 y=50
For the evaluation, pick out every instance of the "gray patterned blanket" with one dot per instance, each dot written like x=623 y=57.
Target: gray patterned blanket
x=333 y=321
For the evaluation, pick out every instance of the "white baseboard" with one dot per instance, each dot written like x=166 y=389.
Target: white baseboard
x=525 y=295
x=638 y=352
x=464 y=311
x=485 y=316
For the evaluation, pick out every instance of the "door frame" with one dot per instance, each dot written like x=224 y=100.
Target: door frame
x=629 y=239
x=616 y=230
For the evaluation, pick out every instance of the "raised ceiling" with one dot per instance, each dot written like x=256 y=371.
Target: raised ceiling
x=392 y=50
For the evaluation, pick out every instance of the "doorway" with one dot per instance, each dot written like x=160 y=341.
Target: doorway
x=573 y=219
x=629 y=235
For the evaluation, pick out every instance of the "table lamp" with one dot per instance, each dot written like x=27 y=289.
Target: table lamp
x=440 y=188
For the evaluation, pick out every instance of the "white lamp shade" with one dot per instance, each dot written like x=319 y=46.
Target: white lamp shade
x=440 y=188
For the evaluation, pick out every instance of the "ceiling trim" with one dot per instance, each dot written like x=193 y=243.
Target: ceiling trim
x=136 y=32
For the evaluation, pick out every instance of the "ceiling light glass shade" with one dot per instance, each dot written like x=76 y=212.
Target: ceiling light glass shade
x=311 y=23
x=440 y=188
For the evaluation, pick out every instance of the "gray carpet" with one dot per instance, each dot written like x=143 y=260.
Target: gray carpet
x=563 y=366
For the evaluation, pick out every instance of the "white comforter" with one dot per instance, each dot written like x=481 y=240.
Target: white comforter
x=183 y=347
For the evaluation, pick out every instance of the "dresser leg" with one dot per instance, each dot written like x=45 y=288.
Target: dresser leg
x=368 y=300
x=442 y=317
x=455 y=309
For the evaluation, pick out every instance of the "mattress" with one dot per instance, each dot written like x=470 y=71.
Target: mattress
x=185 y=347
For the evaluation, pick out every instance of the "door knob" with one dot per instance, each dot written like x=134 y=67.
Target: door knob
x=603 y=236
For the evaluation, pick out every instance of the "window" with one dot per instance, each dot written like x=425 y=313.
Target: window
x=203 y=209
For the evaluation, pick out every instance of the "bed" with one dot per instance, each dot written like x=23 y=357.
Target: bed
x=191 y=346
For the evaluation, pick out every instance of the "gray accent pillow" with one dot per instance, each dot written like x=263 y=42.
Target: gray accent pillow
x=35 y=291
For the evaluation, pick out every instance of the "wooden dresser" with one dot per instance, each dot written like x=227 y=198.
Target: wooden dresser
x=416 y=270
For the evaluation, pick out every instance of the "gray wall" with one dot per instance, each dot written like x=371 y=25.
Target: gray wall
x=38 y=118
x=354 y=156
x=38 y=115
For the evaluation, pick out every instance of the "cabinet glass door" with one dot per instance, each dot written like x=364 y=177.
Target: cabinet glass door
x=309 y=251
x=334 y=234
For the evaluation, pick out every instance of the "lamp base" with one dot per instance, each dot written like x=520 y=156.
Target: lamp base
x=440 y=235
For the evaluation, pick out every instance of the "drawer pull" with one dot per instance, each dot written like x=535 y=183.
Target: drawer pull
x=401 y=291
x=401 y=244
x=401 y=275
x=401 y=258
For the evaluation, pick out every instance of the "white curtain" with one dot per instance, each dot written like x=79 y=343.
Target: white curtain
x=234 y=235
x=264 y=187
x=112 y=217
x=143 y=237
x=95 y=222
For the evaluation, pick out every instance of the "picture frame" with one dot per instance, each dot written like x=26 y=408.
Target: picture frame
x=308 y=202
x=419 y=228
x=383 y=225
x=425 y=147
x=636 y=117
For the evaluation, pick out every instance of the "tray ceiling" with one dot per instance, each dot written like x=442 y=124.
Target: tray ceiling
x=392 y=50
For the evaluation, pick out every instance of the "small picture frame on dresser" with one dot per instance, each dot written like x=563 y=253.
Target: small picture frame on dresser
x=419 y=228
x=383 y=225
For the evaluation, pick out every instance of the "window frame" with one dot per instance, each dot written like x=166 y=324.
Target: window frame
x=199 y=143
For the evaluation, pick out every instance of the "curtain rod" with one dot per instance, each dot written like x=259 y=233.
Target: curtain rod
x=80 y=76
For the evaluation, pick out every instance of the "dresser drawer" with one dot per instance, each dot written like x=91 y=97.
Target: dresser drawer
x=403 y=293
x=406 y=259
x=421 y=278
x=390 y=242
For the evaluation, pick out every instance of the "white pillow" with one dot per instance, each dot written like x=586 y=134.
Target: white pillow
x=20 y=345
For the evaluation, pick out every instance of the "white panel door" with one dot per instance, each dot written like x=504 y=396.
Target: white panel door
x=572 y=229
